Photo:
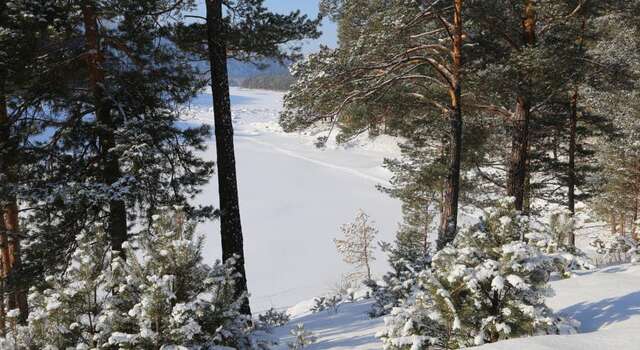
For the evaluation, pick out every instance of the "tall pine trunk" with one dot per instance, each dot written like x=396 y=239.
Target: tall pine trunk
x=230 y=224
x=516 y=185
x=110 y=162
x=520 y=124
x=13 y=292
x=573 y=123
x=449 y=220
x=571 y=172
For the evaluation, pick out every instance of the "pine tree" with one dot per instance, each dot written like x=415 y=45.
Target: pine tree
x=114 y=151
x=162 y=295
x=24 y=32
x=251 y=33
x=302 y=338
x=394 y=57
x=487 y=286
x=357 y=247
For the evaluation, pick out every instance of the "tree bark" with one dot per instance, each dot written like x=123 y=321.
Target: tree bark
x=519 y=152
x=571 y=172
x=634 y=229
x=13 y=290
x=230 y=224
x=449 y=220
x=520 y=134
x=110 y=162
x=573 y=123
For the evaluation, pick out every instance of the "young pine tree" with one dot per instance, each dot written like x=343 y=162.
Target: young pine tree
x=357 y=246
x=488 y=286
x=249 y=32
x=161 y=296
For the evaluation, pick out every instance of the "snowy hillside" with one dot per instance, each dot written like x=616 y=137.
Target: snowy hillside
x=606 y=302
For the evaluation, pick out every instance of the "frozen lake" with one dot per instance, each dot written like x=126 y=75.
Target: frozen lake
x=293 y=199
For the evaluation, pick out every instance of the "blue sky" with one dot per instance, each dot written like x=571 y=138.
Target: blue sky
x=309 y=7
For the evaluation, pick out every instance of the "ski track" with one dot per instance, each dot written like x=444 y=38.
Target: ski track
x=292 y=154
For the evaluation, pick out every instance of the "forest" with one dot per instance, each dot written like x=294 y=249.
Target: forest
x=510 y=136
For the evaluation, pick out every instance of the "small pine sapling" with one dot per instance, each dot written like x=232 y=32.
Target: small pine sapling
x=357 y=246
x=273 y=318
x=301 y=338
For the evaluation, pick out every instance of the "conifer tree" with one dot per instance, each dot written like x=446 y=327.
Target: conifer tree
x=109 y=64
x=251 y=33
x=487 y=286
x=420 y=73
x=357 y=247
x=24 y=30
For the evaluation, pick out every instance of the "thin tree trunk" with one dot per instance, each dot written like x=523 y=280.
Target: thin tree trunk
x=519 y=146
x=634 y=229
x=520 y=134
x=110 y=161
x=613 y=224
x=573 y=120
x=573 y=124
x=10 y=229
x=230 y=224
x=449 y=220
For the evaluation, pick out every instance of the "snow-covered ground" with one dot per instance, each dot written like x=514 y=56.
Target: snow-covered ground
x=293 y=199
x=606 y=302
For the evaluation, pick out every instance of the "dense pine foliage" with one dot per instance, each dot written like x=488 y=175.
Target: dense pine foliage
x=534 y=101
x=92 y=147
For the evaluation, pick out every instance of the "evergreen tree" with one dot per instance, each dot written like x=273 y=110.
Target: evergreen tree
x=249 y=32
x=162 y=295
x=487 y=286
x=407 y=55
x=25 y=31
x=357 y=246
x=115 y=151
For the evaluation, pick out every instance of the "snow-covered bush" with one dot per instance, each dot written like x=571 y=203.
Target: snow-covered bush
x=301 y=337
x=397 y=284
x=330 y=303
x=487 y=286
x=552 y=240
x=162 y=295
x=273 y=318
x=615 y=248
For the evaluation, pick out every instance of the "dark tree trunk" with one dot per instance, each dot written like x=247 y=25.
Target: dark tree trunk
x=519 y=152
x=634 y=230
x=517 y=175
x=13 y=290
x=110 y=162
x=571 y=171
x=449 y=220
x=230 y=224
x=573 y=123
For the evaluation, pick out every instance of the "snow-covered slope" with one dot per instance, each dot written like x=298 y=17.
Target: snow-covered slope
x=294 y=197
x=606 y=302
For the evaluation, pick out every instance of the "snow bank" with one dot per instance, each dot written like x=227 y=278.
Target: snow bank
x=606 y=302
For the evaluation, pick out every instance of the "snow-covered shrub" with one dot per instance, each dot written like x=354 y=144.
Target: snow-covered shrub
x=397 y=284
x=274 y=318
x=330 y=303
x=487 y=286
x=161 y=296
x=615 y=248
x=301 y=337
x=552 y=240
